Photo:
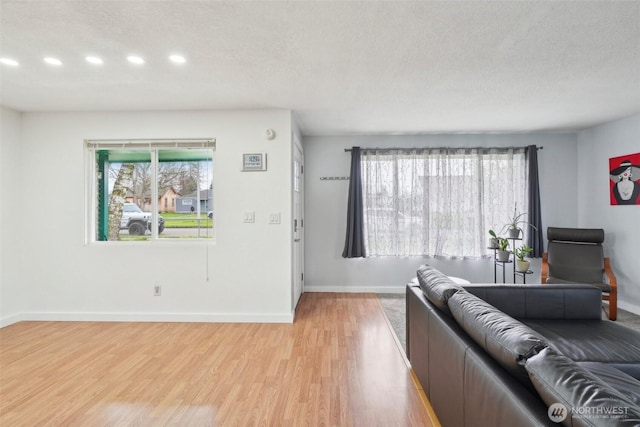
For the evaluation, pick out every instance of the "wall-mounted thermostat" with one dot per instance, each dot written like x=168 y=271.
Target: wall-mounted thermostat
x=254 y=162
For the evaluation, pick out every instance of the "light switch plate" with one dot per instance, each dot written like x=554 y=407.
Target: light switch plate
x=274 y=218
x=249 y=216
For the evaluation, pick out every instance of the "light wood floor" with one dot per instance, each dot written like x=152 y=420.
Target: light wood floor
x=337 y=365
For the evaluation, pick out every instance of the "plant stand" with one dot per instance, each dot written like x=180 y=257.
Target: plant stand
x=497 y=263
x=523 y=274
x=502 y=264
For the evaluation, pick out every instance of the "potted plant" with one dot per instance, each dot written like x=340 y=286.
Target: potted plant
x=513 y=228
x=503 y=254
x=522 y=265
x=493 y=241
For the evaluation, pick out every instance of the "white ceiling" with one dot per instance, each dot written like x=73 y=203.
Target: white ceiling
x=343 y=67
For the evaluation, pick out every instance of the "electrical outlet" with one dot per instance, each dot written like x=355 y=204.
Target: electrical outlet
x=157 y=290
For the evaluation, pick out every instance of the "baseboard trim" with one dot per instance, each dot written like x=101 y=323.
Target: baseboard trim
x=10 y=320
x=629 y=307
x=210 y=317
x=357 y=289
x=149 y=317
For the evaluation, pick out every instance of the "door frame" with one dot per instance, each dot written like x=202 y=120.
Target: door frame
x=297 y=253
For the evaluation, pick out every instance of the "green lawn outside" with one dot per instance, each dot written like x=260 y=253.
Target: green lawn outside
x=186 y=220
x=128 y=238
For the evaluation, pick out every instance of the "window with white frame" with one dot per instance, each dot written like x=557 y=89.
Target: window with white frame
x=131 y=182
x=439 y=202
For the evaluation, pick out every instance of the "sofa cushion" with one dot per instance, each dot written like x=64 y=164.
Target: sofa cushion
x=507 y=340
x=437 y=287
x=590 y=340
x=588 y=400
x=631 y=369
x=614 y=376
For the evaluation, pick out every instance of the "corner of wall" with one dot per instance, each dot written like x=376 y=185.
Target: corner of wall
x=622 y=228
x=10 y=143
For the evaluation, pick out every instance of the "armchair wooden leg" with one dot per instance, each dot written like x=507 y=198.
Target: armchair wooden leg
x=612 y=297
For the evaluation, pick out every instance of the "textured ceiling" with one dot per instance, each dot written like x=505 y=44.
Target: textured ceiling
x=343 y=67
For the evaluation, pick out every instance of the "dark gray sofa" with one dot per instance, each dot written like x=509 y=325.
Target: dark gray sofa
x=518 y=355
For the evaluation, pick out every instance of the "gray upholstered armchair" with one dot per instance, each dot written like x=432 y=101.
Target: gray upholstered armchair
x=575 y=255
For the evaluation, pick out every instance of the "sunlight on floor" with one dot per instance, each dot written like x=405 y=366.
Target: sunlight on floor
x=119 y=413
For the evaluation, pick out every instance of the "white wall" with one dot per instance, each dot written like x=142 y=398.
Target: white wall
x=621 y=223
x=248 y=266
x=326 y=206
x=10 y=292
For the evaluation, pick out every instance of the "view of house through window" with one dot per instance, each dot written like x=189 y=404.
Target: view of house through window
x=439 y=202
x=152 y=192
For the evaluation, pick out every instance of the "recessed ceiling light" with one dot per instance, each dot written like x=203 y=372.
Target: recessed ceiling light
x=135 y=59
x=178 y=59
x=53 y=61
x=9 y=61
x=94 y=60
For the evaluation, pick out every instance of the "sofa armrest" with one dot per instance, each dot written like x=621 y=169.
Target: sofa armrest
x=562 y=301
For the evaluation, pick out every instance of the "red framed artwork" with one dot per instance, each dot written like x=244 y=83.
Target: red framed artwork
x=624 y=180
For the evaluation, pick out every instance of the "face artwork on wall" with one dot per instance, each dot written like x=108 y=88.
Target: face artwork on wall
x=624 y=179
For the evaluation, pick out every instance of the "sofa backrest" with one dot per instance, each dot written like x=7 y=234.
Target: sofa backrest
x=552 y=302
x=534 y=301
x=458 y=375
x=437 y=287
x=507 y=340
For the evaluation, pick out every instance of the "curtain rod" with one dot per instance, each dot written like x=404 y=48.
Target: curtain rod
x=348 y=150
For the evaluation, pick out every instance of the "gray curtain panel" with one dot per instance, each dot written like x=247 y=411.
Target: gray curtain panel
x=535 y=212
x=354 y=243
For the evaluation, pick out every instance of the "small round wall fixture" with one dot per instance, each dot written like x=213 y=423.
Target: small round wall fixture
x=269 y=134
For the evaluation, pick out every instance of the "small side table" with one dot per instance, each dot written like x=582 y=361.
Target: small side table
x=523 y=274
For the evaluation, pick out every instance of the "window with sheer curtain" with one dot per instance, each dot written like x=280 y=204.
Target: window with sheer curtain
x=439 y=202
